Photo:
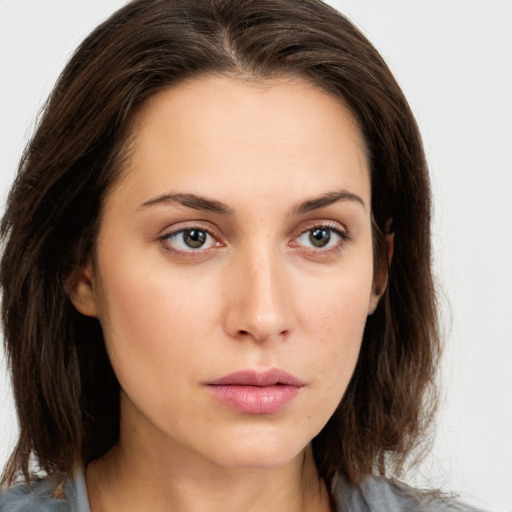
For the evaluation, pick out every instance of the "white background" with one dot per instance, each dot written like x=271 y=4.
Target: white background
x=454 y=61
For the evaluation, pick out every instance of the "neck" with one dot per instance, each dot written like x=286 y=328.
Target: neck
x=123 y=481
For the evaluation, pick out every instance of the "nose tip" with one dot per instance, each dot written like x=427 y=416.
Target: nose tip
x=259 y=304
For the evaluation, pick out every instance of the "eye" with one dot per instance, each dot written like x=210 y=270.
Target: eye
x=322 y=237
x=189 y=240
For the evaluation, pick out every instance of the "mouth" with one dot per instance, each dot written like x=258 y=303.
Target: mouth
x=256 y=392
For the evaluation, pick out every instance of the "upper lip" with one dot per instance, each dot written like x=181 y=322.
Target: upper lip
x=258 y=378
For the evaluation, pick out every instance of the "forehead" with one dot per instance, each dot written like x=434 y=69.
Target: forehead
x=285 y=105
x=219 y=129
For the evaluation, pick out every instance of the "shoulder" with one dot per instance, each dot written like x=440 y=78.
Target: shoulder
x=375 y=494
x=41 y=495
x=56 y=493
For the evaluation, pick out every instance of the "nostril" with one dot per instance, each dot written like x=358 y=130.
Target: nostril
x=243 y=332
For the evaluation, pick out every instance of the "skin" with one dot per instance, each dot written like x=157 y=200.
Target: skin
x=258 y=293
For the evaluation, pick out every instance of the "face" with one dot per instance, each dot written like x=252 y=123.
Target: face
x=233 y=271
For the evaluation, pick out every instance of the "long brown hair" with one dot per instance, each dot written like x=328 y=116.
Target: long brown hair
x=66 y=394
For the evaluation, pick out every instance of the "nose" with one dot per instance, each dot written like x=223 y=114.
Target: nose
x=259 y=304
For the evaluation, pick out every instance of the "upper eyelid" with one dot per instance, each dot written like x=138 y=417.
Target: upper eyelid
x=217 y=233
x=182 y=230
x=186 y=225
x=319 y=223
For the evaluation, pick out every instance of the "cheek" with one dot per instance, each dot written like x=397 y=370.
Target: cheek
x=337 y=318
x=154 y=322
x=336 y=308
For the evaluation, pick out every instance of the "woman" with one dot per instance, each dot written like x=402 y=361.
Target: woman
x=216 y=278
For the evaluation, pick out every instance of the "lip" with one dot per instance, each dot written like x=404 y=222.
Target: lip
x=256 y=392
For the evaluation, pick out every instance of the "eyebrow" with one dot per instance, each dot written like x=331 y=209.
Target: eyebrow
x=190 y=201
x=326 y=200
x=202 y=203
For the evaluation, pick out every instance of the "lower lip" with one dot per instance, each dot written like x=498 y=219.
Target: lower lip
x=255 y=399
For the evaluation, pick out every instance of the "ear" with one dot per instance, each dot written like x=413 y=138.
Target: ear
x=380 y=281
x=81 y=291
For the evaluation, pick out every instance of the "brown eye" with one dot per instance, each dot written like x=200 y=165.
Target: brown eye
x=194 y=238
x=189 y=240
x=320 y=237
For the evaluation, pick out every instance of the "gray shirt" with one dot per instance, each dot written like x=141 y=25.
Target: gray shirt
x=374 y=494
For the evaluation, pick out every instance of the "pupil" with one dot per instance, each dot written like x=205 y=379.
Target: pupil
x=320 y=237
x=194 y=238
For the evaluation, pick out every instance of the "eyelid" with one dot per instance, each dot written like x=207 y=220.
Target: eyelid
x=179 y=227
x=332 y=225
x=189 y=224
x=214 y=232
x=321 y=223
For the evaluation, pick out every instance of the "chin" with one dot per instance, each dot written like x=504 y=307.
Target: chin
x=260 y=452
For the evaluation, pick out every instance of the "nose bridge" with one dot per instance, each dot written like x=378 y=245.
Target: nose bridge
x=259 y=305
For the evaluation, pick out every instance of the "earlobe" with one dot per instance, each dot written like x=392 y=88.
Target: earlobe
x=81 y=291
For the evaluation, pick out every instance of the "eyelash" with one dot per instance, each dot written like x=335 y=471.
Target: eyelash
x=329 y=226
x=197 y=226
x=332 y=228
